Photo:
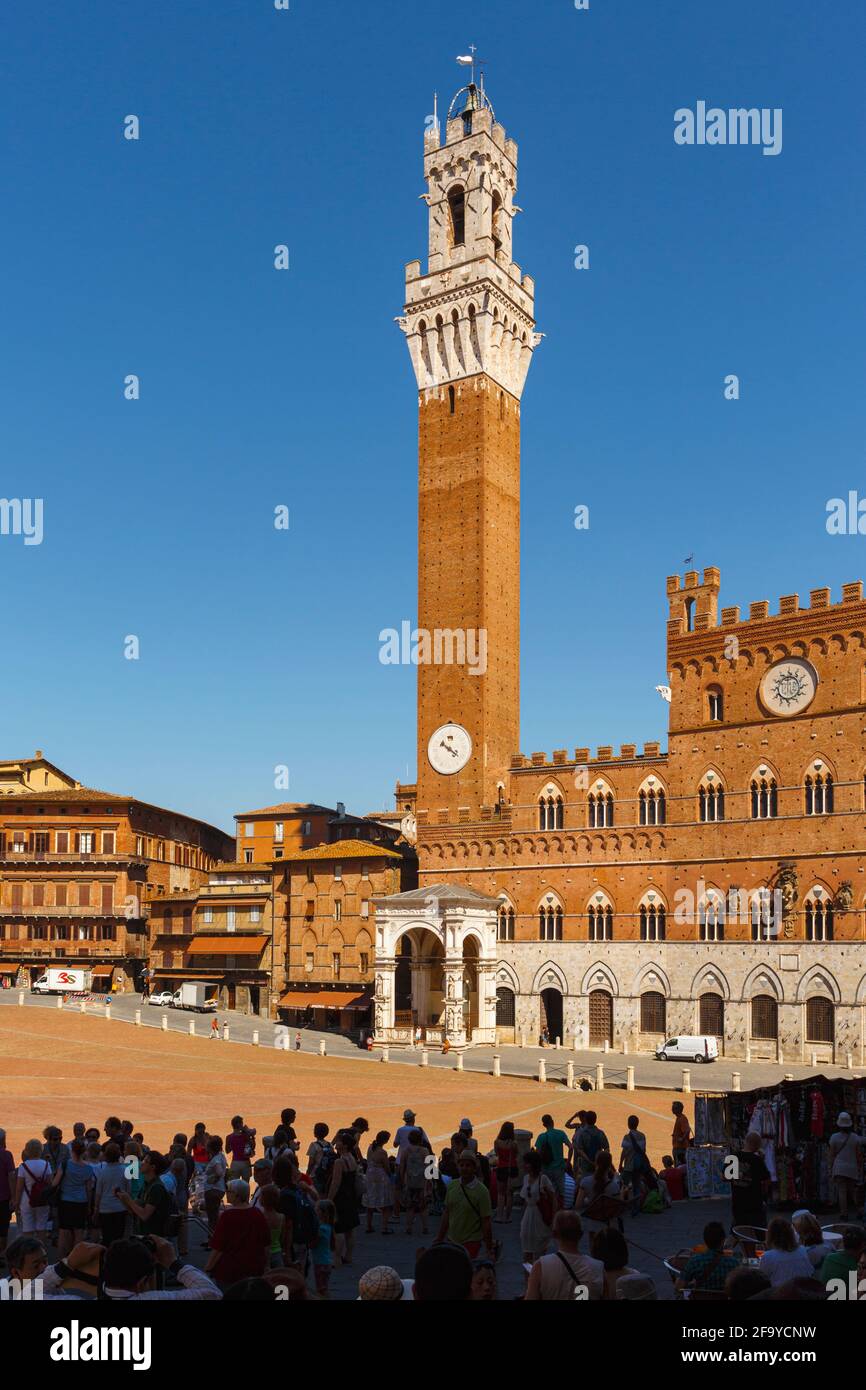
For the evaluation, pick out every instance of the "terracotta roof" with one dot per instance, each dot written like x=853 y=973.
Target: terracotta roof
x=287 y=808
x=344 y=849
x=92 y=795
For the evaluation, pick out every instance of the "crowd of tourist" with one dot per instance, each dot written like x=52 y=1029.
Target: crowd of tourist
x=103 y=1215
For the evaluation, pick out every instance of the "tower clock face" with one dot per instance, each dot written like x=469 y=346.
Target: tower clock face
x=789 y=687
x=449 y=749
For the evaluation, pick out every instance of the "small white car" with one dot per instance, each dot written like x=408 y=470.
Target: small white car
x=700 y=1048
x=162 y=1000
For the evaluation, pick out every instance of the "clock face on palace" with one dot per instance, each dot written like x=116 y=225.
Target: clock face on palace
x=789 y=686
x=449 y=749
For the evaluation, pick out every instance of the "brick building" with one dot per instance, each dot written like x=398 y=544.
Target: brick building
x=715 y=887
x=80 y=870
x=229 y=934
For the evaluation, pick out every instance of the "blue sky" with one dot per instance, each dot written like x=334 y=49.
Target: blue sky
x=261 y=388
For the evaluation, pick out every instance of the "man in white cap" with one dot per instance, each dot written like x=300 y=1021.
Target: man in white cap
x=846 y=1148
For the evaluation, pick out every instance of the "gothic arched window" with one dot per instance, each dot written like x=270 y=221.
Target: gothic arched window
x=652 y=922
x=600 y=922
x=600 y=810
x=711 y=800
x=819 y=917
x=765 y=798
x=549 y=923
x=819 y=794
x=505 y=923
x=651 y=806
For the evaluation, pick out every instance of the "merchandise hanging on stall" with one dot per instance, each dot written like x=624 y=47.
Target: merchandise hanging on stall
x=794 y=1121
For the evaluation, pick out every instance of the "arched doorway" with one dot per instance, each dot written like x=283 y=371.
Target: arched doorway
x=418 y=980
x=403 y=980
x=551 y=1013
x=600 y=1018
x=505 y=1014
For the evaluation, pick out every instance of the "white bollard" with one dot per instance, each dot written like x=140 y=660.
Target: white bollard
x=606 y=1046
x=21 y=997
x=255 y=1037
x=458 y=1065
x=425 y=1057
x=813 y=1061
x=386 y=1054
x=137 y=1018
x=599 y=1077
x=165 y=1023
x=60 y=1001
x=849 y=1061
x=576 y=1041
x=735 y=1081
x=789 y=1076
x=323 y=1048
x=192 y=1027
x=569 y=1076
x=82 y=1008
x=542 y=1069
x=225 y=1032
x=629 y=1078
x=522 y=1039
x=687 y=1081
x=558 y=1043
x=748 y=1056
x=497 y=1065
x=108 y=1011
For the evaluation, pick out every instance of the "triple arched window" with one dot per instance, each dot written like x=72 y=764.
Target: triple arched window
x=765 y=797
x=550 y=922
x=652 y=922
x=505 y=923
x=819 y=794
x=818 y=911
x=651 y=807
x=600 y=810
x=711 y=799
x=600 y=918
x=551 y=811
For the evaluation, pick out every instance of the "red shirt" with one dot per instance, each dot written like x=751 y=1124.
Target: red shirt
x=239 y=1145
x=243 y=1237
x=674 y=1178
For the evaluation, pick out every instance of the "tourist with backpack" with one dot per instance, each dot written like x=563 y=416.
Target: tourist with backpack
x=297 y=1205
x=320 y=1158
x=634 y=1164
x=549 y=1145
x=33 y=1191
x=589 y=1141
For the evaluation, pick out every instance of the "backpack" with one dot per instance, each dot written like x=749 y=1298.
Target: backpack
x=322 y=1173
x=547 y=1205
x=39 y=1194
x=305 y=1222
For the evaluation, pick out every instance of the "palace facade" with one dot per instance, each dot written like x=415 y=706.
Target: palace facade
x=619 y=898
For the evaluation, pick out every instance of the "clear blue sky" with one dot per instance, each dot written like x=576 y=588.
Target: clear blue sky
x=258 y=388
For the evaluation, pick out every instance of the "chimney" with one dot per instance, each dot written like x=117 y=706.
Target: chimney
x=341 y=808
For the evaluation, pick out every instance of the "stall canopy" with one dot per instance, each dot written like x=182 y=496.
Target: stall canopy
x=324 y=999
x=9 y=969
x=226 y=945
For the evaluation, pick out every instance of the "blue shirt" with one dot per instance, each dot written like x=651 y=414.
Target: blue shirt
x=73 y=1184
x=321 y=1251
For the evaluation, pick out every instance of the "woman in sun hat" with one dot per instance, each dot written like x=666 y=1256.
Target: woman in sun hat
x=846 y=1150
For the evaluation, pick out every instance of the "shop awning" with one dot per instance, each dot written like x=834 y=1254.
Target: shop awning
x=9 y=969
x=226 y=945
x=324 y=999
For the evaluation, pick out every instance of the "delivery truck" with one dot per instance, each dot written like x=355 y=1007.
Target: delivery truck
x=63 y=981
x=196 y=997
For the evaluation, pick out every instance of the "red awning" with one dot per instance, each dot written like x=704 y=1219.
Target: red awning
x=324 y=999
x=226 y=945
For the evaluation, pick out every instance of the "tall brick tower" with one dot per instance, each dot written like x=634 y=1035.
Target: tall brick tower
x=470 y=329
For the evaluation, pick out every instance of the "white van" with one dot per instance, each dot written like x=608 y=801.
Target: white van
x=689 y=1049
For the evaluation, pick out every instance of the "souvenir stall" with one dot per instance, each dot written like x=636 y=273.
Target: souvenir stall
x=794 y=1120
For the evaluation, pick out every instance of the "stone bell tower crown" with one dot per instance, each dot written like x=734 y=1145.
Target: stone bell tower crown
x=474 y=310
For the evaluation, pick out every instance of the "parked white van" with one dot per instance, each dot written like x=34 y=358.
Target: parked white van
x=690 y=1049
